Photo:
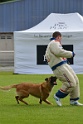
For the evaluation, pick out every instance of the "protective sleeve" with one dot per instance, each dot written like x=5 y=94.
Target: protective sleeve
x=57 y=49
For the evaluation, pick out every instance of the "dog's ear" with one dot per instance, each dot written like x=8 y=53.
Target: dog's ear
x=46 y=79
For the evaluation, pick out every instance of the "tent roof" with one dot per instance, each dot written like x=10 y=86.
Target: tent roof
x=59 y=22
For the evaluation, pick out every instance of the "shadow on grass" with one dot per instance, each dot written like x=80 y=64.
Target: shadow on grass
x=36 y=105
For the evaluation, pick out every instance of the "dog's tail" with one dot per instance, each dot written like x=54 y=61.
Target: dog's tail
x=8 y=87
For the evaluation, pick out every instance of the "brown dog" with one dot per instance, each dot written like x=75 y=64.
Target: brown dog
x=41 y=91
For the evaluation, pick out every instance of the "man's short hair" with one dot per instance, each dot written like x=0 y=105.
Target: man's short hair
x=56 y=34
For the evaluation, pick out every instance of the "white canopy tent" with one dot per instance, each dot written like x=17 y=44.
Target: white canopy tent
x=29 y=44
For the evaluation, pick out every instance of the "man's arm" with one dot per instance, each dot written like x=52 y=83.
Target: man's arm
x=58 y=51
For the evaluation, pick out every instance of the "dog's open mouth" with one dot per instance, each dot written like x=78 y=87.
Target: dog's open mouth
x=55 y=83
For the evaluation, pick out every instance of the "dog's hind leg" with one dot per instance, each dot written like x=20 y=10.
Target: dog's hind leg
x=40 y=101
x=17 y=99
x=21 y=99
x=21 y=95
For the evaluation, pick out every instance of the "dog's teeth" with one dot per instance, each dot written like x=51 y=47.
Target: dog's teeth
x=55 y=83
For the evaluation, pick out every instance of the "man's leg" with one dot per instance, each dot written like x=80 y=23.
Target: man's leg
x=69 y=86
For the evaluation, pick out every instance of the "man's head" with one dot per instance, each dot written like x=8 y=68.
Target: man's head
x=57 y=35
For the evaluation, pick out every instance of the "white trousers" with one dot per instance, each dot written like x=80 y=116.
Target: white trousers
x=70 y=81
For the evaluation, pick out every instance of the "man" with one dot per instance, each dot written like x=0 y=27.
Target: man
x=56 y=58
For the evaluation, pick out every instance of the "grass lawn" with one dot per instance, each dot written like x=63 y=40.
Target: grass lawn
x=34 y=113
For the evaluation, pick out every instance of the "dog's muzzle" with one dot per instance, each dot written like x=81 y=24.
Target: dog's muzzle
x=53 y=80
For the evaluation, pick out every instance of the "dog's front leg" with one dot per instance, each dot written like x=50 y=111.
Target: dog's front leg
x=48 y=102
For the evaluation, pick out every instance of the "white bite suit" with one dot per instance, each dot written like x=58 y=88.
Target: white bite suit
x=55 y=55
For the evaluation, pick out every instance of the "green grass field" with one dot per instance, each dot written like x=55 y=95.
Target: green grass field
x=34 y=113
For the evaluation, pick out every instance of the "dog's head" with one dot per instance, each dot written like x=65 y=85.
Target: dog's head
x=52 y=80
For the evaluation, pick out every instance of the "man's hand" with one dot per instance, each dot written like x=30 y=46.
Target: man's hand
x=73 y=54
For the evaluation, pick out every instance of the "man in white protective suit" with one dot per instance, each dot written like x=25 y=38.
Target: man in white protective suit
x=56 y=57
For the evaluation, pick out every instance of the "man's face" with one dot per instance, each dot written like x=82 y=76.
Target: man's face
x=59 y=38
